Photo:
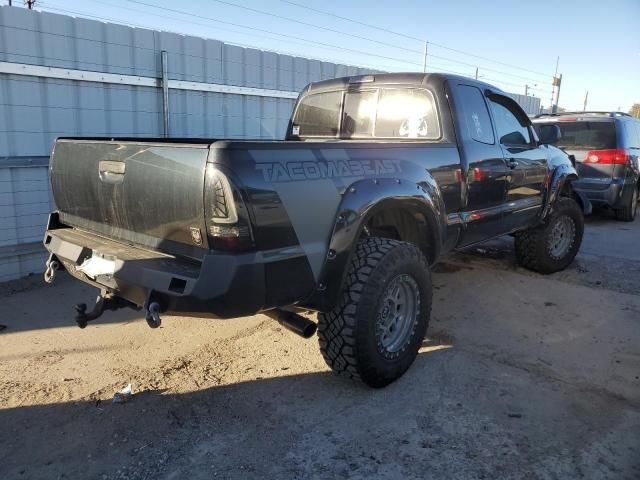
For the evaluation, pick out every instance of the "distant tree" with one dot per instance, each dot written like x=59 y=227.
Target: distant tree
x=635 y=110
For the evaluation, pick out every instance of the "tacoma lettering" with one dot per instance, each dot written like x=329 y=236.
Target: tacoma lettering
x=295 y=171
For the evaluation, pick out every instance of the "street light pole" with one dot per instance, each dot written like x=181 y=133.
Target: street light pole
x=586 y=97
x=426 y=48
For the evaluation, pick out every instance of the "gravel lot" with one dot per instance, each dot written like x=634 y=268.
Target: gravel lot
x=521 y=376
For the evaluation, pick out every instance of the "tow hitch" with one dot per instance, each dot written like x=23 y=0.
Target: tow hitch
x=105 y=301
x=108 y=301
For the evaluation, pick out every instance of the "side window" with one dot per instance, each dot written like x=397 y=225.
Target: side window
x=475 y=114
x=511 y=124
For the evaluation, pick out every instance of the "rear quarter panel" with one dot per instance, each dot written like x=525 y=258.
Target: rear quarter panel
x=294 y=189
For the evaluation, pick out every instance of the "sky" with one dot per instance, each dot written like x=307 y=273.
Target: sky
x=512 y=43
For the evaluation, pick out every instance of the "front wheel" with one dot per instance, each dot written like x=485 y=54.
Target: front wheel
x=552 y=246
x=376 y=329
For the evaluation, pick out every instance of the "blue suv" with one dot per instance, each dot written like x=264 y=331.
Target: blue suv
x=606 y=148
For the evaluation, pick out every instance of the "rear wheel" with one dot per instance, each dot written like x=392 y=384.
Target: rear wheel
x=377 y=328
x=628 y=212
x=552 y=246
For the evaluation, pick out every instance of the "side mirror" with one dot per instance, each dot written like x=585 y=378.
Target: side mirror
x=549 y=134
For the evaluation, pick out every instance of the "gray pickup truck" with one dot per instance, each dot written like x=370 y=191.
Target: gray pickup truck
x=379 y=176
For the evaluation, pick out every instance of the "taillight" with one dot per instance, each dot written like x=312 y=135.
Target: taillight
x=611 y=156
x=226 y=215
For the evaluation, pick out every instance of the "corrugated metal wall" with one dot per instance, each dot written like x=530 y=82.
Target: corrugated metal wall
x=530 y=105
x=36 y=110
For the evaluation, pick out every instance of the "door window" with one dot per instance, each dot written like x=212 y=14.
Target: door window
x=475 y=114
x=512 y=124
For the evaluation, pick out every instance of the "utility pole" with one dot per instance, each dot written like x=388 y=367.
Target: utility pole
x=426 y=49
x=553 y=90
x=557 y=82
x=586 y=97
x=476 y=73
x=526 y=90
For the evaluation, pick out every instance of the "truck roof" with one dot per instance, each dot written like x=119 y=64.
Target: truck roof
x=405 y=78
x=587 y=113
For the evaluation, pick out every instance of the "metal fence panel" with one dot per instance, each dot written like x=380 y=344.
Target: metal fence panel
x=35 y=110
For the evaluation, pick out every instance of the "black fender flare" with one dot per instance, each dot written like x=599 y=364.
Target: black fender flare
x=360 y=201
x=558 y=179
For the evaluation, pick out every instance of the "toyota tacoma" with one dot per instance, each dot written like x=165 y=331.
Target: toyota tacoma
x=379 y=176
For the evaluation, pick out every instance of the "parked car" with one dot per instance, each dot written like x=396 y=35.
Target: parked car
x=378 y=178
x=606 y=147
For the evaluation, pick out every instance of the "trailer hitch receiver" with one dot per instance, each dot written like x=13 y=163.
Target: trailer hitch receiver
x=105 y=301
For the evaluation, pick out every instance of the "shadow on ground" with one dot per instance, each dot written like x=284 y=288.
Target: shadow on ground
x=436 y=422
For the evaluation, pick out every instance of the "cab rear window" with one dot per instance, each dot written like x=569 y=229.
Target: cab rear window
x=402 y=113
x=318 y=115
x=587 y=135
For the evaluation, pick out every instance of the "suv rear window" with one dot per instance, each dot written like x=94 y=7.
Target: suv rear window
x=587 y=135
x=372 y=113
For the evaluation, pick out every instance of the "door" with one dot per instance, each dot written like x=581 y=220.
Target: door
x=483 y=166
x=526 y=162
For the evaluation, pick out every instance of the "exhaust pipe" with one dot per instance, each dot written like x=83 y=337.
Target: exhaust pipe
x=293 y=322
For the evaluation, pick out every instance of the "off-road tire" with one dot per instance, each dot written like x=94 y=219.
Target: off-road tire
x=628 y=212
x=532 y=246
x=348 y=336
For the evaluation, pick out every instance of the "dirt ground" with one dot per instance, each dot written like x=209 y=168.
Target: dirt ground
x=521 y=376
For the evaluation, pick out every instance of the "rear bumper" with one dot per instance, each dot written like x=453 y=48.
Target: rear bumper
x=610 y=192
x=221 y=286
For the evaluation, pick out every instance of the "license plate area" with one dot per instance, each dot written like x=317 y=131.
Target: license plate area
x=98 y=264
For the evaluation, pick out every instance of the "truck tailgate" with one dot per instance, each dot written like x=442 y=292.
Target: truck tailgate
x=145 y=193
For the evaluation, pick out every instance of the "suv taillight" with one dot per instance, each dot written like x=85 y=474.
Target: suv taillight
x=611 y=156
x=226 y=215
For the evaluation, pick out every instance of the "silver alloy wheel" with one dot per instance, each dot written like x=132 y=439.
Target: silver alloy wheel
x=562 y=236
x=397 y=314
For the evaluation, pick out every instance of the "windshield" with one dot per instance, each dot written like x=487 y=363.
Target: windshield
x=586 y=135
x=403 y=113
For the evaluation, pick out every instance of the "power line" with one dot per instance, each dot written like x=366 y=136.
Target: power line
x=325 y=45
x=410 y=37
x=367 y=38
x=191 y=14
x=262 y=12
x=152 y=27
x=182 y=12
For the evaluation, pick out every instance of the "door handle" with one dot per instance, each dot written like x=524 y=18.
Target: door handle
x=111 y=171
x=512 y=163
